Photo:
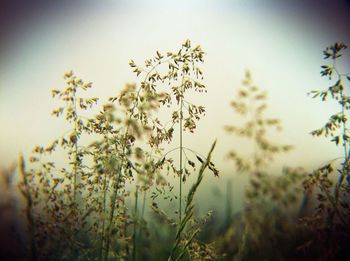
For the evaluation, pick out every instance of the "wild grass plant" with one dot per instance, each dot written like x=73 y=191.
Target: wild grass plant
x=269 y=205
x=79 y=211
x=106 y=201
x=330 y=184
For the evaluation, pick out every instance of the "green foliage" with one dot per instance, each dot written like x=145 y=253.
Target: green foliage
x=332 y=212
x=189 y=211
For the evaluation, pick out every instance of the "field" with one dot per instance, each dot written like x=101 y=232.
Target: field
x=121 y=182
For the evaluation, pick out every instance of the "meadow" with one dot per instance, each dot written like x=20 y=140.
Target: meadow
x=121 y=194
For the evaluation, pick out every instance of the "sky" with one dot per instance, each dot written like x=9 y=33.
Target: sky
x=280 y=42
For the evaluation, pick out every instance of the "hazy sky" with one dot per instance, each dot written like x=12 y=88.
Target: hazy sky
x=280 y=42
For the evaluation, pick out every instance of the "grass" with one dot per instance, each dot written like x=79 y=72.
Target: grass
x=96 y=206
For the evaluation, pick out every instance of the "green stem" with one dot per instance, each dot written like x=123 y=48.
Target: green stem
x=346 y=157
x=142 y=214
x=228 y=203
x=111 y=215
x=189 y=208
x=75 y=166
x=135 y=225
x=121 y=164
x=181 y=148
x=103 y=213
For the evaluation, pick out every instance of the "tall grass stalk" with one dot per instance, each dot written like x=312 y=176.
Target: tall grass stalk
x=188 y=213
x=123 y=160
x=103 y=232
x=136 y=222
x=75 y=139
x=180 y=154
x=251 y=103
x=337 y=128
x=229 y=207
x=182 y=75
